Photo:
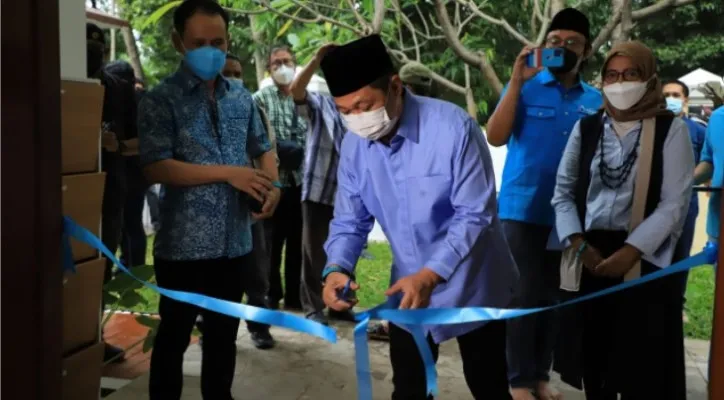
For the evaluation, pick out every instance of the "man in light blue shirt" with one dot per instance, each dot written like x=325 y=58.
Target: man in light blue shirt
x=711 y=167
x=421 y=168
x=534 y=118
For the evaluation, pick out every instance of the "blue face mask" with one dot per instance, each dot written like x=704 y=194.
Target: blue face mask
x=674 y=105
x=205 y=62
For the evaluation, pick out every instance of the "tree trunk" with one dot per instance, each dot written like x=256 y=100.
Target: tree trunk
x=469 y=98
x=259 y=61
x=132 y=51
x=623 y=30
x=557 y=5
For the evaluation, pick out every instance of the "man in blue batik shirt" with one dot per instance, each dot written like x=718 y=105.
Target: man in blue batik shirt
x=677 y=98
x=421 y=168
x=534 y=118
x=711 y=167
x=197 y=131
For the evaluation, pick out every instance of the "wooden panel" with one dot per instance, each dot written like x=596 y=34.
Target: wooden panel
x=83 y=202
x=81 y=106
x=82 y=292
x=82 y=374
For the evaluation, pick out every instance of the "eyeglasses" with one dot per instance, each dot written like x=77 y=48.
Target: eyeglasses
x=278 y=63
x=629 y=75
x=570 y=43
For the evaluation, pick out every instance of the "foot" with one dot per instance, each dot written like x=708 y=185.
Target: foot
x=378 y=331
x=262 y=339
x=113 y=354
x=341 y=315
x=318 y=317
x=546 y=391
x=522 y=394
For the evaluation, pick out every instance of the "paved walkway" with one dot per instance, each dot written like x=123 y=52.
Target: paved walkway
x=306 y=368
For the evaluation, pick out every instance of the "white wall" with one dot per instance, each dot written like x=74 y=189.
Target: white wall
x=72 y=39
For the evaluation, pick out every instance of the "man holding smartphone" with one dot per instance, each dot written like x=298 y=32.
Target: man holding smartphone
x=534 y=117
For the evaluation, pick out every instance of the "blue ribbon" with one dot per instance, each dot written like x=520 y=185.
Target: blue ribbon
x=230 y=308
x=412 y=319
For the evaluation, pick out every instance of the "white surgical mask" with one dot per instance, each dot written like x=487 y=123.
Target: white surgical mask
x=283 y=75
x=624 y=95
x=371 y=125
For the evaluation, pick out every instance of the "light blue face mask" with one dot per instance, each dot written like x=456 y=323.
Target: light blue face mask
x=205 y=62
x=674 y=105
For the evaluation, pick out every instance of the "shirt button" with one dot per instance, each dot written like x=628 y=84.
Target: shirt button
x=566 y=113
x=540 y=114
x=565 y=133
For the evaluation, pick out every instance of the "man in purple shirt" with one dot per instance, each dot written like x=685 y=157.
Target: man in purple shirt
x=421 y=168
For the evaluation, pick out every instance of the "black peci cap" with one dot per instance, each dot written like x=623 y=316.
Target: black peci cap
x=93 y=32
x=571 y=19
x=355 y=65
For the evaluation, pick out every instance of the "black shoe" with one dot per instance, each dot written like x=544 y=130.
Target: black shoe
x=262 y=340
x=113 y=354
x=342 y=315
x=271 y=304
x=318 y=317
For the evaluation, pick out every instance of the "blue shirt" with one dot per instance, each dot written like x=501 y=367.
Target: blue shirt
x=544 y=120
x=433 y=193
x=178 y=121
x=713 y=153
x=324 y=138
x=697 y=134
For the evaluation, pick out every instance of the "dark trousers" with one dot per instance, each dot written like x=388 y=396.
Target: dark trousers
x=220 y=278
x=114 y=197
x=531 y=339
x=133 y=243
x=287 y=235
x=482 y=352
x=256 y=274
x=316 y=218
x=683 y=249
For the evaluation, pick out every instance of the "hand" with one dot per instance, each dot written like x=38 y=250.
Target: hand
x=416 y=289
x=591 y=257
x=109 y=141
x=319 y=56
x=521 y=71
x=270 y=204
x=333 y=286
x=619 y=263
x=253 y=182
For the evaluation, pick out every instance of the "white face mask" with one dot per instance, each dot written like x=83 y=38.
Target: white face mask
x=283 y=75
x=371 y=125
x=625 y=95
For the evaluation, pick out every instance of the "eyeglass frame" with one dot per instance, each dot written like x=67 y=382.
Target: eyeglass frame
x=570 y=43
x=621 y=76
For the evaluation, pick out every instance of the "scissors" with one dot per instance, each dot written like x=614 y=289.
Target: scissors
x=346 y=294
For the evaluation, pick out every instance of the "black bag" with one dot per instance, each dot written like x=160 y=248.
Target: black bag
x=290 y=152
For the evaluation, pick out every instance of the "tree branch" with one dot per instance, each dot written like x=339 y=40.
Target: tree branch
x=478 y=60
x=423 y=19
x=658 y=7
x=410 y=26
x=318 y=17
x=605 y=33
x=495 y=21
x=358 y=16
x=422 y=70
x=379 y=16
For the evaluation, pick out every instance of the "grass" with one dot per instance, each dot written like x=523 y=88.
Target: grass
x=374 y=276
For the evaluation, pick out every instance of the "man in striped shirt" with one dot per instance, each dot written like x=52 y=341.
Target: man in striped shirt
x=286 y=224
x=319 y=185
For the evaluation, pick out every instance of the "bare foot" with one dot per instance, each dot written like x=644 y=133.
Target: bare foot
x=546 y=391
x=522 y=394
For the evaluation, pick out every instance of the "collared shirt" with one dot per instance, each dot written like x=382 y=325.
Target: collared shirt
x=287 y=124
x=326 y=130
x=610 y=209
x=544 y=119
x=713 y=153
x=697 y=134
x=177 y=120
x=433 y=192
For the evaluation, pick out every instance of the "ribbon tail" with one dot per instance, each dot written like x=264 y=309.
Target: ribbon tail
x=427 y=359
x=362 y=360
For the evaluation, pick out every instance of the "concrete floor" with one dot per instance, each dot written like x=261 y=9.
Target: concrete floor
x=306 y=368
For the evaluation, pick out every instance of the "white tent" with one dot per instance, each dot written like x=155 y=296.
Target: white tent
x=694 y=80
x=316 y=84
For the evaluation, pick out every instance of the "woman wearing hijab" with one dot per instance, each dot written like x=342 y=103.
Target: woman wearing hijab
x=630 y=342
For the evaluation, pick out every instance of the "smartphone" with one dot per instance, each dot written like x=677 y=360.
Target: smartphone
x=545 y=57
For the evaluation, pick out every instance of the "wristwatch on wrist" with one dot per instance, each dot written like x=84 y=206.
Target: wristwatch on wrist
x=335 y=268
x=277 y=184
